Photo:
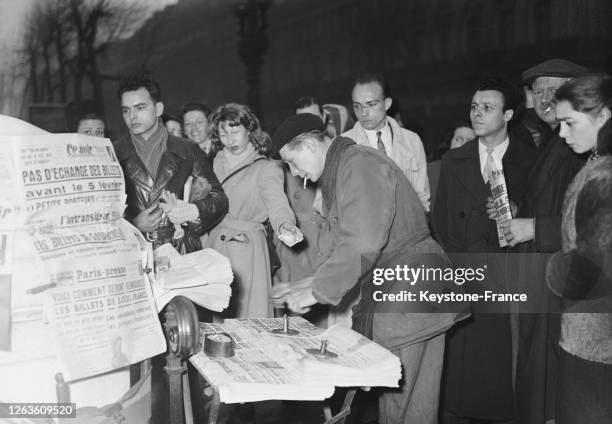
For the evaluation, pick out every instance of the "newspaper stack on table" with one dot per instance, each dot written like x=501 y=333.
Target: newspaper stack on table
x=203 y=276
x=270 y=366
x=360 y=361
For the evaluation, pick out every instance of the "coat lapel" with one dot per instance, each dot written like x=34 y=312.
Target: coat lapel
x=168 y=165
x=136 y=170
x=550 y=165
x=513 y=158
x=467 y=170
x=360 y=135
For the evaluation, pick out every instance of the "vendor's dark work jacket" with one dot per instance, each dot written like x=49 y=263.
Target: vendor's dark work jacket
x=374 y=219
x=181 y=159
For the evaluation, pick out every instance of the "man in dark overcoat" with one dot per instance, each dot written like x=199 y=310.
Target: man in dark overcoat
x=536 y=233
x=478 y=370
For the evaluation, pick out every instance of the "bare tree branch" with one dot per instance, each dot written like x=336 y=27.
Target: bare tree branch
x=65 y=42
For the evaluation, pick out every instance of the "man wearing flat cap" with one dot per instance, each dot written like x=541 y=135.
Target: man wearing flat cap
x=554 y=168
x=536 y=231
x=373 y=220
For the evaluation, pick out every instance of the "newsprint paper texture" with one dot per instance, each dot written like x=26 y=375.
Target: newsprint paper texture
x=499 y=192
x=77 y=256
x=267 y=365
x=9 y=206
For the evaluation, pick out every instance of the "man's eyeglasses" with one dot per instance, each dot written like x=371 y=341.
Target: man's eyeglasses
x=358 y=108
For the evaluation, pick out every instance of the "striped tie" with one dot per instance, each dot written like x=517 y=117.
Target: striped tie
x=486 y=172
x=381 y=145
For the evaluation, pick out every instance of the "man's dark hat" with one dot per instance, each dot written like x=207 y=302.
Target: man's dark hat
x=553 y=68
x=294 y=126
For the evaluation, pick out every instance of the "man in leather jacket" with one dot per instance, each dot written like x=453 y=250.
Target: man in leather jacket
x=156 y=165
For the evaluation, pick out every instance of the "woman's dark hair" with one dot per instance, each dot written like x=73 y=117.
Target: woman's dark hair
x=235 y=114
x=191 y=106
x=590 y=93
x=604 y=139
x=306 y=101
x=443 y=145
x=167 y=117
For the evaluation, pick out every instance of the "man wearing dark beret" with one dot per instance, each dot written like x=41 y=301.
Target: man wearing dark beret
x=536 y=231
x=373 y=220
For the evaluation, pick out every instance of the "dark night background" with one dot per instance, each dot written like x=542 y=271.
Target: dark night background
x=433 y=52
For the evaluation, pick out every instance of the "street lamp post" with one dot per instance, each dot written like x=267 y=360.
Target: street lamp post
x=252 y=45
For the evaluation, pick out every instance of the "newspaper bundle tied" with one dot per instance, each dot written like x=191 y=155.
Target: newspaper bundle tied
x=499 y=193
x=76 y=256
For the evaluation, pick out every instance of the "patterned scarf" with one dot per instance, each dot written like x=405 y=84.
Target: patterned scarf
x=150 y=151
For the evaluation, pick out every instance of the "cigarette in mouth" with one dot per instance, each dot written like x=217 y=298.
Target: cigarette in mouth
x=548 y=109
x=305 y=180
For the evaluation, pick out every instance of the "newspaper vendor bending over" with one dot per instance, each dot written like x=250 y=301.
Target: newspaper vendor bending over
x=374 y=219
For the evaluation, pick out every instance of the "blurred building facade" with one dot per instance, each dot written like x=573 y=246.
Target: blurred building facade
x=434 y=52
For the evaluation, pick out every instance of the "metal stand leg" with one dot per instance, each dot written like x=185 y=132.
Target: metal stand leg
x=187 y=399
x=175 y=370
x=215 y=404
x=182 y=335
x=344 y=412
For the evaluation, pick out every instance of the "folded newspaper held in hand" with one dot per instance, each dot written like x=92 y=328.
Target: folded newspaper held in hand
x=499 y=192
x=268 y=364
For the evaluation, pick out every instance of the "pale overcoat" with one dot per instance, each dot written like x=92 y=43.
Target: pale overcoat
x=254 y=188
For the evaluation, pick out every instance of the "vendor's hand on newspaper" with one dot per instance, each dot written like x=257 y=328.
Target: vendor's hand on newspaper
x=301 y=300
x=289 y=234
x=281 y=291
x=519 y=230
x=148 y=219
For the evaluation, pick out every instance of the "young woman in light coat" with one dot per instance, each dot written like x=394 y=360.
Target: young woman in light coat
x=253 y=184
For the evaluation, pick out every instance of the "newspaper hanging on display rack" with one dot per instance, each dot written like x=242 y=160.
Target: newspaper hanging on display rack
x=9 y=206
x=77 y=256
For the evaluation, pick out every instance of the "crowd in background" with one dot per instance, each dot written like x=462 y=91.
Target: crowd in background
x=552 y=139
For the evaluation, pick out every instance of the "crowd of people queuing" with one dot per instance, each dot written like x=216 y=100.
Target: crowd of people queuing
x=360 y=186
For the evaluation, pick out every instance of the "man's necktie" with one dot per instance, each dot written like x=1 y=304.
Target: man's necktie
x=489 y=165
x=379 y=142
